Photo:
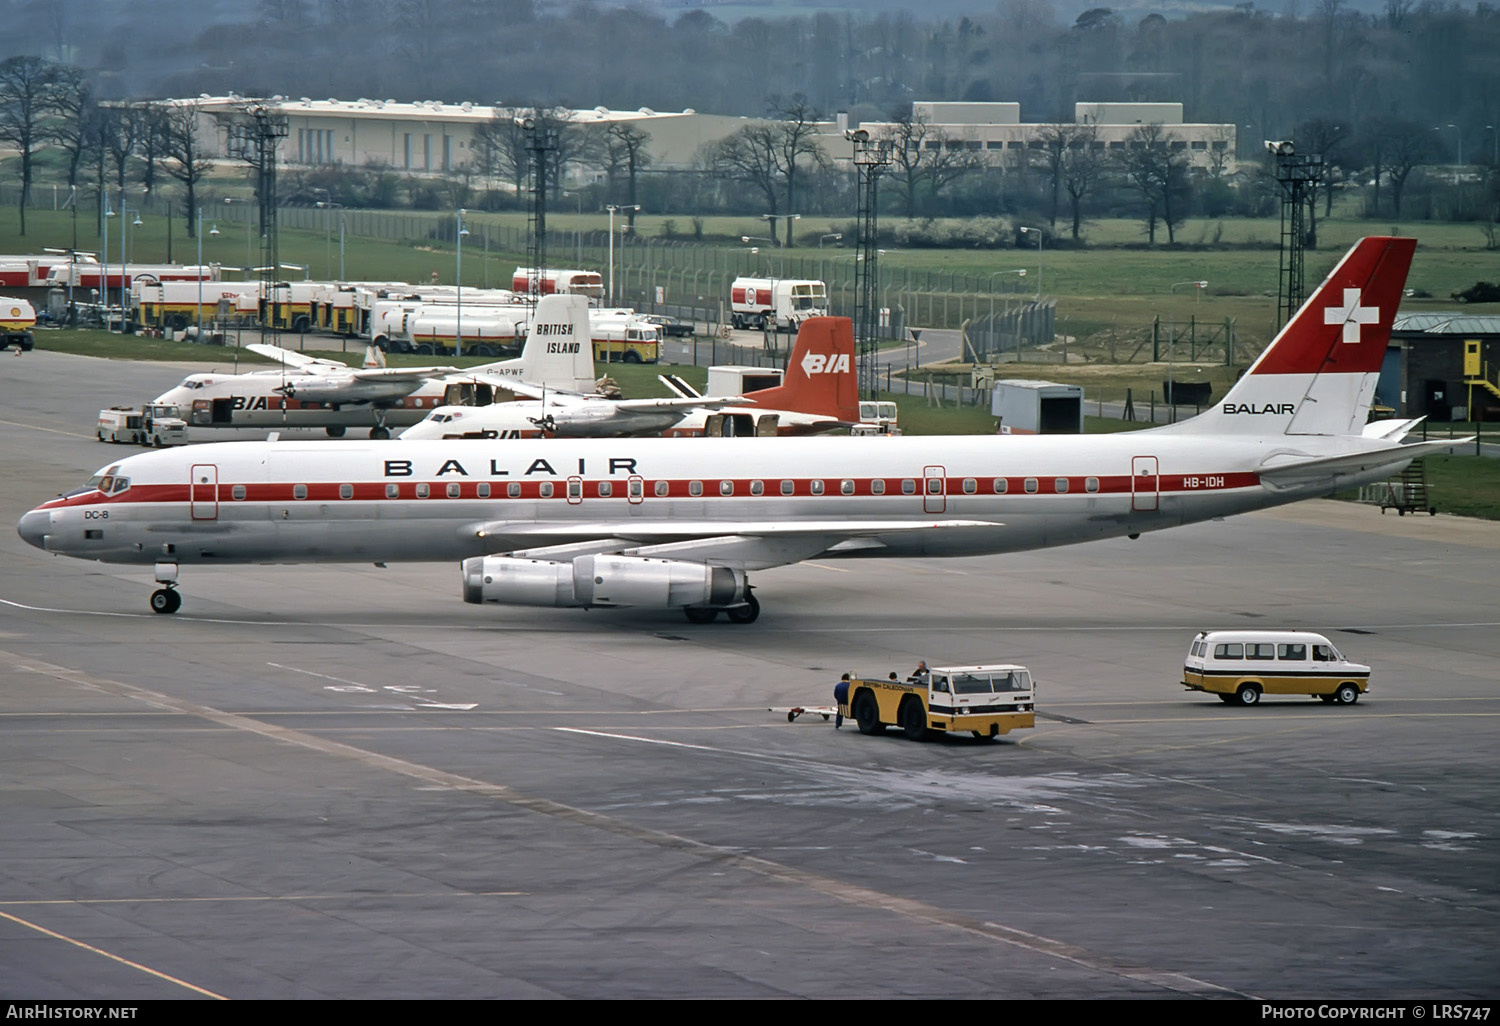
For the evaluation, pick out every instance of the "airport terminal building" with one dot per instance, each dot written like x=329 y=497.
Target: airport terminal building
x=433 y=137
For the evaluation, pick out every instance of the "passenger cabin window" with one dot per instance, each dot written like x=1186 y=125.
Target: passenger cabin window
x=816 y=487
x=545 y=490
x=757 y=487
x=453 y=489
x=1031 y=484
x=908 y=486
x=695 y=487
x=1234 y=651
x=483 y=490
x=606 y=489
x=1060 y=485
x=299 y=491
x=726 y=487
x=846 y=487
x=575 y=489
x=877 y=486
x=662 y=488
x=788 y=487
x=934 y=486
x=513 y=489
x=423 y=491
x=1001 y=486
x=238 y=493
x=346 y=491
x=1091 y=484
x=1260 y=651
x=970 y=486
x=392 y=491
x=1297 y=652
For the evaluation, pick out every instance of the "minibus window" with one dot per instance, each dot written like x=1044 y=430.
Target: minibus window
x=1234 y=651
x=1296 y=652
x=1262 y=651
x=1323 y=653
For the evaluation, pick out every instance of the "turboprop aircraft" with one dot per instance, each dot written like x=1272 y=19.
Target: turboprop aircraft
x=656 y=523
x=821 y=392
x=309 y=392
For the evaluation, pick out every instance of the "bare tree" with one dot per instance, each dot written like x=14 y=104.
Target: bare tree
x=624 y=153
x=26 y=102
x=923 y=155
x=501 y=146
x=186 y=160
x=1401 y=146
x=1158 y=170
x=798 y=119
x=751 y=156
x=1056 y=140
x=76 y=111
x=1083 y=166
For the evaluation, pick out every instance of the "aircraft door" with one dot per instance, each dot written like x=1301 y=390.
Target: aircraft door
x=934 y=497
x=1145 y=482
x=203 y=491
x=635 y=489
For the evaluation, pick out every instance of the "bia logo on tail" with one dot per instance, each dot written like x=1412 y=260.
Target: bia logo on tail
x=825 y=363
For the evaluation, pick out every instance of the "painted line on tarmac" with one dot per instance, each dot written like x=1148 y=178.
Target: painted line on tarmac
x=113 y=957
x=838 y=890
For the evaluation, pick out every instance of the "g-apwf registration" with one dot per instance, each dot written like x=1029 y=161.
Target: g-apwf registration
x=664 y=523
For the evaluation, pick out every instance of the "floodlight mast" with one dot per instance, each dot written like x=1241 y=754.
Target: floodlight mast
x=871 y=158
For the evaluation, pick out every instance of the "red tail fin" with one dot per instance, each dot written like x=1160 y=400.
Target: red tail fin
x=1345 y=324
x=820 y=372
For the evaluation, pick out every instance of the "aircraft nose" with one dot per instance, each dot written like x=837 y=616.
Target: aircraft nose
x=33 y=527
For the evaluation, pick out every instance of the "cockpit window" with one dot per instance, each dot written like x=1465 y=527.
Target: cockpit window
x=106 y=481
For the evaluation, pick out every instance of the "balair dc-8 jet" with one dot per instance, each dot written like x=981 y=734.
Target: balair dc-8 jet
x=668 y=523
x=308 y=392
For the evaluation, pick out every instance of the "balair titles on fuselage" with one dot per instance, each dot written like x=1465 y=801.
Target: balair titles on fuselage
x=618 y=465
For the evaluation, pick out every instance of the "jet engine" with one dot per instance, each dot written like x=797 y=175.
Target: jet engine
x=601 y=581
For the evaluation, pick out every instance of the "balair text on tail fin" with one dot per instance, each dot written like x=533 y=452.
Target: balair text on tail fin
x=820 y=372
x=1318 y=376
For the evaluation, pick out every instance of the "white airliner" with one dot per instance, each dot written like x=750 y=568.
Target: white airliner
x=308 y=392
x=664 y=523
x=821 y=392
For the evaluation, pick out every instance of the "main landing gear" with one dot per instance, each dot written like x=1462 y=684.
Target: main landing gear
x=166 y=599
x=746 y=612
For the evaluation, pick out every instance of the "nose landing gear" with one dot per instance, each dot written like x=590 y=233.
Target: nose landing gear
x=166 y=599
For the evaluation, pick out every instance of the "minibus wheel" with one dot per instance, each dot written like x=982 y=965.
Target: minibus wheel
x=1248 y=694
x=1347 y=694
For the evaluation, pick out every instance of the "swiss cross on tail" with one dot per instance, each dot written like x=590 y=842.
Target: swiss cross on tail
x=1351 y=315
x=1344 y=326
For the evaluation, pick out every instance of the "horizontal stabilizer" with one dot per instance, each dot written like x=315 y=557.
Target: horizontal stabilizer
x=1330 y=468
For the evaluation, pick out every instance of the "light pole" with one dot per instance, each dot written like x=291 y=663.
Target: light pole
x=771 y=219
x=1172 y=345
x=612 y=208
x=1457 y=134
x=458 y=276
x=773 y=242
x=124 y=300
x=104 y=256
x=330 y=205
x=1019 y=272
x=1038 y=233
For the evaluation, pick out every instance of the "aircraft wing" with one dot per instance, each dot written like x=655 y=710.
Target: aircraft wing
x=750 y=545
x=681 y=402
x=394 y=375
x=291 y=358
